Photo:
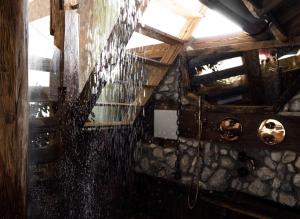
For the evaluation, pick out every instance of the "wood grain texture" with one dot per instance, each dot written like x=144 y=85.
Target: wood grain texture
x=13 y=107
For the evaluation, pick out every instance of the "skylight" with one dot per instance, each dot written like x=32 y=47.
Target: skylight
x=215 y=24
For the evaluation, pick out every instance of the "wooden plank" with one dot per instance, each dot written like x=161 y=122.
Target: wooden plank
x=40 y=64
x=107 y=124
x=151 y=52
x=92 y=89
x=38 y=9
x=13 y=108
x=254 y=76
x=226 y=92
x=70 y=74
x=238 y=109
x=158 y=35
x=198 y=49
x=218 y=75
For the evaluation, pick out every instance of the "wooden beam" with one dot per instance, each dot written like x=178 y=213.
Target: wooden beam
x=199 y=48
x=151 y=52
x=107 y=124
x=226 y=92
x=38 y=9
x=237 y=109
x=13 y=108
x=40 y=64
x=252 y=65
x=158 y=35
x=218 y=75
x=70 y=74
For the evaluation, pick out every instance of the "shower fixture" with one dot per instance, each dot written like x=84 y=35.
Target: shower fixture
x=271 y=132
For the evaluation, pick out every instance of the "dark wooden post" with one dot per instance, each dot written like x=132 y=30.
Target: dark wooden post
x=252 y=65
x=13 y=107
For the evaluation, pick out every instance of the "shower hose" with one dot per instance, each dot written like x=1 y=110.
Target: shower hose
x=192 y=203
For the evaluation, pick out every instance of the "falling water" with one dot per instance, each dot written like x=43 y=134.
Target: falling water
x=91 y=178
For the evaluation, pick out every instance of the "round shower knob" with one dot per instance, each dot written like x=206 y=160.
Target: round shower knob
x=230 y=129
x=271 y=132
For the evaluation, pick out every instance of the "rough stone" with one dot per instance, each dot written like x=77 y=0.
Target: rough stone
x=184 y=101
x=207 y=153
x=182 y=140
x=281 y=170
x=158 y=96
x=288 y=156
x=265 y=173
x=202 y=185
x=227 y=163
x=276 y=183
x=276 y=156
x=218 y=180
x=274 y=196
x=152 y=145
x=169 y=150
x=186 y=179
x=191 y=152
x=183 y=147
x=195 y=143
x=185 y=163
x=170 y=79
x=245 y=186
x=286 y=187
x=171 y=160
x=223 y=152
x=193 y=165
x=164 y=88
x=296 y=180
x=158 y=153
x=259 y=188
x=189 y=142
x=145 y=164
x=287 y=199
x=236 y=184
x=233 y=154
x=291 y=168
x=214 y=165
x=270 y=163
x=162 y=173
x=206 y=173
x=297 y=163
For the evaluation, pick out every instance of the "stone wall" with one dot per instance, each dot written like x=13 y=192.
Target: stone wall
x=276 y=176
x=168 y=90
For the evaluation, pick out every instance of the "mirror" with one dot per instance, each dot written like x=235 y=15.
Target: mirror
x=230 y=129
x=271 y=132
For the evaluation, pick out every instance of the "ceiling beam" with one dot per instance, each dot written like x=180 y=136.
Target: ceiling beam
x=203 y=48
x=38 y=9
x=218 y=75
x=158 y=35
x=151 y=52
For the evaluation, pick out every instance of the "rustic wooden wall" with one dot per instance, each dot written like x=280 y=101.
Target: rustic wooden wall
x=13 y=108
